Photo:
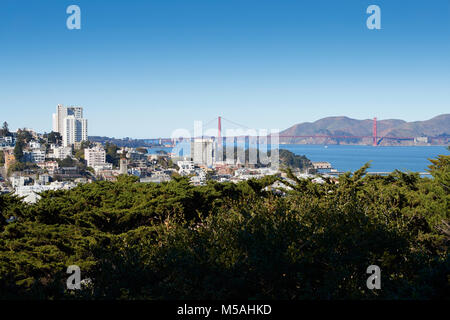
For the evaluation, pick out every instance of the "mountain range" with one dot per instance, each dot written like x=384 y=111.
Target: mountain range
x=437 y=130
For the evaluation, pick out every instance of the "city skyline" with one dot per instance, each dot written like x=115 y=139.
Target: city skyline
x=142 y=70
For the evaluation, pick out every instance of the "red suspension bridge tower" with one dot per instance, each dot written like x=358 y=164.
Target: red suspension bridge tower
x=374 y=133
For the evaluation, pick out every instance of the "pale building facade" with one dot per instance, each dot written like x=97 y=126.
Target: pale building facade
x=95 y=156
x=202 y=152
x=75 y=130
x=63 y=112
x=69 y=122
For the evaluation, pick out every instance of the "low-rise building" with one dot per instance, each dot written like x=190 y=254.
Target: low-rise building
x=50 y=166
x=98 y=168
x=34 y=144
x=95 y=156
x=35 y=156
x=62 y=152
x=19 y=181
x=321 y=165
x=31 y=193
x=44 y=179
x=6 y=142
x=186 y=167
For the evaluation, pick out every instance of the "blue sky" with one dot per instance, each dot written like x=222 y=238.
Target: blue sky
x=145 y=68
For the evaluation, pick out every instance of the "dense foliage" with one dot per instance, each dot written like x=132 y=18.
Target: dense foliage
x=4 y=130
x=223 y=240
x=291 y=160
x=111 y=154
x=53 y=137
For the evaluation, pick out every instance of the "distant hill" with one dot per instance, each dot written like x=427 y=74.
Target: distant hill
x=344 y=126
x=125 y=142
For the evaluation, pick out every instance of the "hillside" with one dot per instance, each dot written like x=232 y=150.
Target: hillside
x=344 y=126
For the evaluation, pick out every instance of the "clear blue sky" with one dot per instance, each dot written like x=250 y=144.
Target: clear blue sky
x=144 y=68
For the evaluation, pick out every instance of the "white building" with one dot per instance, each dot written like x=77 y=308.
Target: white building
x=75 y=130
x=186 y=167
x=7 y=142
x=19 y=181
x=63 y=112
x=50 y=166
x=202 y=152
x=34 y=145
x=95 y=156
x=31 y=193
x=62 y=152
x=35 y=156
x=69 y=122
x=98 y=168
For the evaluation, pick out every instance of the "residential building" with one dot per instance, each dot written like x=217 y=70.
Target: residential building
x=50 y=166
x=75 y=130
x=63 y=112
x=100 y=167
x=69 y=122
x=202 y=151
x=95 y=156
x=19 y=181
x=186 y=167
x=6 y=142
x=31 y=193
x=34 y=145
x=62 y=152
x=35 y=156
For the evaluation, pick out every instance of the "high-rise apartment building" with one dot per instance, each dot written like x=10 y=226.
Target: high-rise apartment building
x=69 y=122
x=75 y=130
x=202 y=151
x=63 y=112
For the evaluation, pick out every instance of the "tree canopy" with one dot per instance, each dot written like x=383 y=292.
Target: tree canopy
x=232 y=241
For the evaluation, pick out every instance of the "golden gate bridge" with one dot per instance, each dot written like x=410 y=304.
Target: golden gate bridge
x=374 y=138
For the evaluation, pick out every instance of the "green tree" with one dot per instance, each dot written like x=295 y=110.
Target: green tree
x=67 y=162
x=24 y=135
x=18 y=150
x=54 y=137
x=142 y=150
x=111 y=154
x=232 y=240
x=5 y=130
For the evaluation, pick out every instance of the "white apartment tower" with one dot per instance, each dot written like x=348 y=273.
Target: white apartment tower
x=75 y=130
x=69 y=122
x=202 y=151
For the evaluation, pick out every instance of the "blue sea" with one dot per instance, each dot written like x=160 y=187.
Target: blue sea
x=351 y=158
x=383 y=159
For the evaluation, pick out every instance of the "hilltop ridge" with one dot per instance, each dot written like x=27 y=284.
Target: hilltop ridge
x=438 y=126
